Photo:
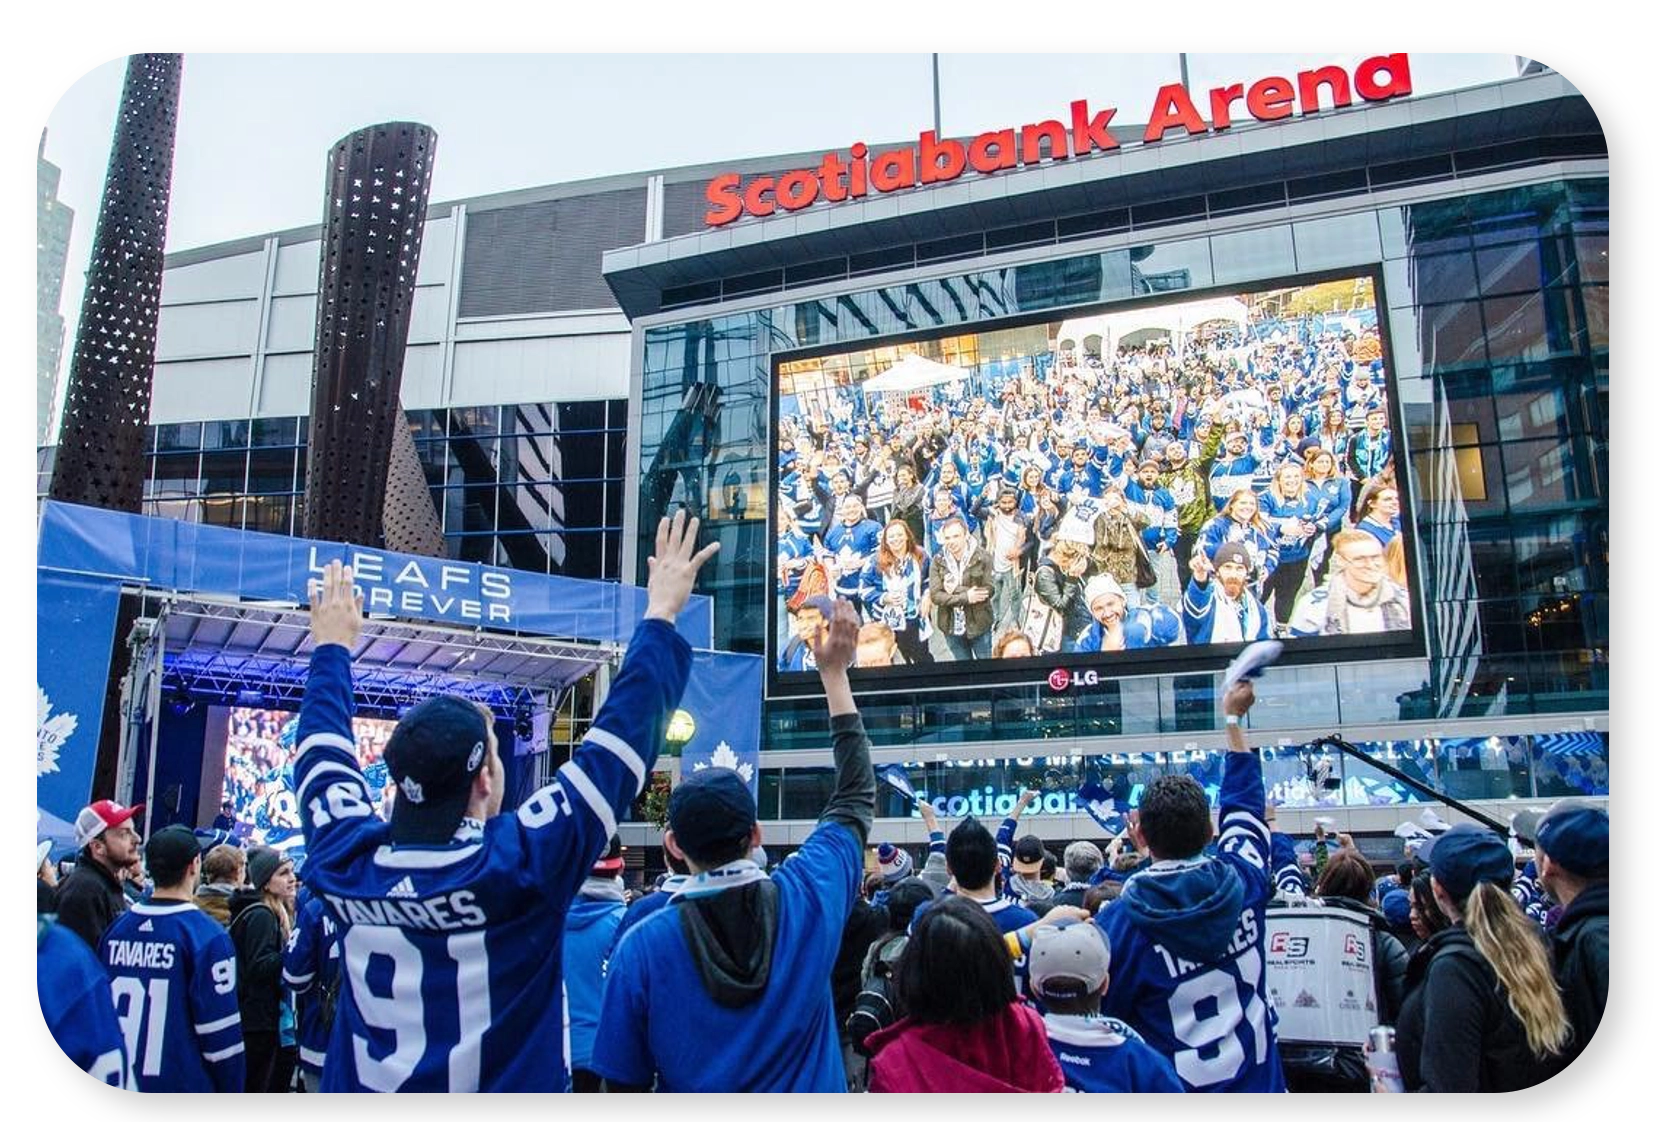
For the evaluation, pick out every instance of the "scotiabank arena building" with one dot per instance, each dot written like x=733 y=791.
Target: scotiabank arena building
x=731 y=338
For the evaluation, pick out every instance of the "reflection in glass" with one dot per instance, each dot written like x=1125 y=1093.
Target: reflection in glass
x=1570 y=764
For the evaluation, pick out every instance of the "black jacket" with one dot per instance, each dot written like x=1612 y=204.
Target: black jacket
x=88 y=901
x=1073 y=895
x=862 y=927
x=1581 y=947
x=978 y=573
x=1457 y=1031
x=1066 y=595
x=256 y=933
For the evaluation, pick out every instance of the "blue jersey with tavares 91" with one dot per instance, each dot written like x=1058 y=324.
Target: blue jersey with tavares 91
x=172 y=972
x=453 y=953
x=1187 y=936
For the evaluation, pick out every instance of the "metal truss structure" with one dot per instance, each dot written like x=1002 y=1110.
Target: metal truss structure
x=225 y=652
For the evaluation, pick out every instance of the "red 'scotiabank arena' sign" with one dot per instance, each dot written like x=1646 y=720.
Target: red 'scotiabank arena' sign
x=934 y=160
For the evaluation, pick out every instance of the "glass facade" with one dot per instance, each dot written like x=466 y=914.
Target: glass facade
x=537 y=487
x=1497 y=302
x=1546 y=766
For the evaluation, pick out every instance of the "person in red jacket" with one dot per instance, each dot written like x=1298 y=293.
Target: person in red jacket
x=965 y=1028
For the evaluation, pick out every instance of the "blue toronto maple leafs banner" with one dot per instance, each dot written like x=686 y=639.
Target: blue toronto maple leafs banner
x=75 y=628
x=724 y=701
x=191 y=557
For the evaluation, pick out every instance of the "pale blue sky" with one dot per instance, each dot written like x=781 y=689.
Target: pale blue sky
x=254 y=129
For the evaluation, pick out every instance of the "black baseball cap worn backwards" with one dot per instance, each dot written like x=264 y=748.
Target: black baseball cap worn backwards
x=433 y=754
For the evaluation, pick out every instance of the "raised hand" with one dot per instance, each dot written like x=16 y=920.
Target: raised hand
x=835 y=644
x=1239 y=698
x=1064 y=914
x=673 y=568
x=1199 y=566
x=335 y=607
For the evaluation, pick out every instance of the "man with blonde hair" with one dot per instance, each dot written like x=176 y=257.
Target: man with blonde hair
x=1357 y=599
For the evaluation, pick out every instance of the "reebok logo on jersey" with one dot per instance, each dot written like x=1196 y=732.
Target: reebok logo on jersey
x=402 y=888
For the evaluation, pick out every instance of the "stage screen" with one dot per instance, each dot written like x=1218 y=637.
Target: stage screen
x=259 y=746
x=1130 y=488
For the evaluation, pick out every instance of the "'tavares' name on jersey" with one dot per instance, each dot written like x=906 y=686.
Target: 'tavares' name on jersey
x=454 y=911
x=143 y=956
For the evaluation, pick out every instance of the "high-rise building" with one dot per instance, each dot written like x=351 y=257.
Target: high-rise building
x=53 y=223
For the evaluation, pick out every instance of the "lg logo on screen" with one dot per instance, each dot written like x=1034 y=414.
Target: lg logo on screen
x=1061 y=679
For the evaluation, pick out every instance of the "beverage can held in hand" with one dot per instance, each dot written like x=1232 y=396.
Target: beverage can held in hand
x=1382 y=1066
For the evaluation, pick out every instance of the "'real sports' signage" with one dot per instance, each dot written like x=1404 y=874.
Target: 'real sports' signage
x=1176 y=111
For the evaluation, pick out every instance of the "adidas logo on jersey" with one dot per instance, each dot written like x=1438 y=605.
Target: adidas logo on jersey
x=402 y=888
x=147 y=925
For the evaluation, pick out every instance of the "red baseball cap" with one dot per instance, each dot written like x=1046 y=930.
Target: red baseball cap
x=611 y=864
x=105 y=814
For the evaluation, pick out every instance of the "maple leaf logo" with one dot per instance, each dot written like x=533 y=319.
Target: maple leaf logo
x=724 y=756
x=51 y=732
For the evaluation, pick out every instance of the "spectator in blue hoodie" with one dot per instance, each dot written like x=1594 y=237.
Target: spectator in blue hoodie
x=1187 y=932
x=594 y=920
x=1157 y=502
x=677 y=876
x=1114 y=628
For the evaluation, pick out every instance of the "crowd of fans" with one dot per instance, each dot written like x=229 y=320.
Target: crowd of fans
x=258 y=770
x=1241 y=488
x=446 y=946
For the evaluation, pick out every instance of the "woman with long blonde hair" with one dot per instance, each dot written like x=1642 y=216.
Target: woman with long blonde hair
x=1483 y=1012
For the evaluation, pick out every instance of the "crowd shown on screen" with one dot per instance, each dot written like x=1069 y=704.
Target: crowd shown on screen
x=1088 y=504
x=441 y=947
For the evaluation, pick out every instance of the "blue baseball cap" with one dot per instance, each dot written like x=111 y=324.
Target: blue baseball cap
x=1575 y=836
x=1466 y=856
x=1398 y=907
x=709 y=810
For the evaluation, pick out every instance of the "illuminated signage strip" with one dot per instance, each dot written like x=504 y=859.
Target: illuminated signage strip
x=934 y=160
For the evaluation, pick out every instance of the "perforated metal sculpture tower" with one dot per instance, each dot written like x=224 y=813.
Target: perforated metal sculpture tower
x=100 y=455
x=378 y=185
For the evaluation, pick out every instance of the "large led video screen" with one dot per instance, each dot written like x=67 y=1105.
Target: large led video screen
x=259 y=747
x=1129 y=488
